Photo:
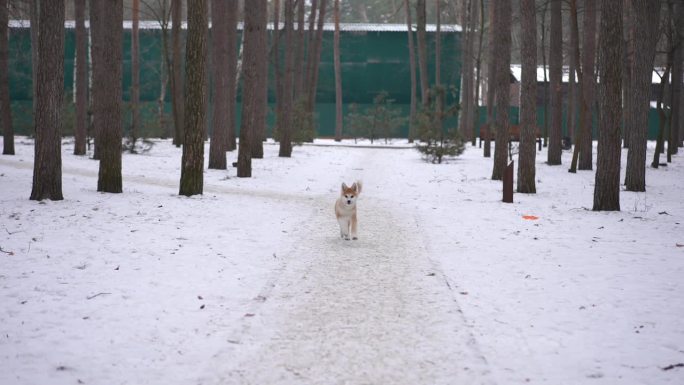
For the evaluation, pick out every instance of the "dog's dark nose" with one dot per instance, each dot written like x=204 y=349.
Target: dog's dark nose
x=348 y=202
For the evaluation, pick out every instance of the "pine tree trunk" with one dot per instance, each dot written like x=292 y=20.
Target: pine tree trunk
x=177 y=86
x=636 y=122
x=412 y=68
x=607 y=186
x=299 y=55
x=315 y=59
x=135 y=75
x=261 y=91
x=556 y=77
x=528 y=98
x=338 y=73
x=219 y=66
x=628 y=43
x=277 y=70
x=421 y=20
x=5 y=105
x=192 y=167
x=80 y=131
x=478 y=64
x=503 y=43
x=253 y=52
x=106 y=21
x=285 y=126
x=467 y=103
x=572 y=84
x=677 y=66
x=574 y=33
x=231 y=69
x=589 y=86
x=492 y=58
x=47 y=166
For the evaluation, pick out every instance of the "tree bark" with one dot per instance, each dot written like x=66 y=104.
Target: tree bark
x=502 y=30
x=47 y=166
x=192 y=168
x=636 y=122
x=572 y=80
x=107 y=24
x=285 y=126
x=80 y=130
x=5 y=102
x=556 y=77
x=299 y=55
x=478 y=64
x=253 y=52
x=315 y=59
x=135 y=75
x=422 y=51
x=677 y=66
x=467 y=103
x=412 y=68
x=220 y=17
x=607 y=186
x=492 y=59
x=574 y=31
x=528 y=98
x=231 y=69
x=628 y=43
x=261 y=96
x=589 y=85
x=177 y=86
x=338 y=73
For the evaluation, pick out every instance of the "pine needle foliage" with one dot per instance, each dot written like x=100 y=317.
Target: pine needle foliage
x=436 y=139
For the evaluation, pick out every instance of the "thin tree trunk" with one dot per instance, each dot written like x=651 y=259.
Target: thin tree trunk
x=589 y=85
x=556 y=75
x=493 y=57
x=261 y=91
x=572 y=83
x=478 y=65
x=299 y=55
x=574 y=31
x=545 y=129
x=5 y=102
x=286 y=128
x=219 y=67
x=528 y=98
x=338 y=73
x=607 y=186
x=315 y=59
x=468 y=102
x=192 y=166
x=412 y=68
x=439 y=97
x=106 y=21
x=231 y=70
x=636 y=122
x=677 y=67
x=662 y=115
x=47 y=166
x=177 y=76
x=135 y=75
x=628 y=43
x=422 y=51
x=277 y=71
x=255 y=27
x=80 y=130
x=503 y=69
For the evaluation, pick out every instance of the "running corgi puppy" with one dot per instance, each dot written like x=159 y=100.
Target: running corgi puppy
x=345 y=210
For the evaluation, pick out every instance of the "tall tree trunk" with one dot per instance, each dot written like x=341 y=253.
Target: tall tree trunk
x=607 y=186
x=135 y=75
x=34 y=14
x=254 y=51
x=338 y=73
x=503 y=41
x=662 y=115
x=636 y=122
x=412 y=68
x=492 y=58
x=277 y=71
x=422 y=51
x=315 y=59
x=5 y=105
x=574 y=31
x=588 y=86
x=288 y=78
x=628 y=43
x=261 y=91
x=556 y=75
x=545 y=128
x=299 y=55
x=528 y=98
x=572 y=81
x=177 y=86
x=219 y=67
x=106 y=21
x=231 y=70
x=192 y=167
x=80 y=131
x=467 y=103
x=47 y=166
x=677 y=66
x=478 y=64
x=439 y=97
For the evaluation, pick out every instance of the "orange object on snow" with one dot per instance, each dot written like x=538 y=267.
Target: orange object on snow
x=530 y=217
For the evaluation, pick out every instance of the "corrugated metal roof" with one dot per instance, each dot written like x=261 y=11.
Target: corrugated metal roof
x=348 y=27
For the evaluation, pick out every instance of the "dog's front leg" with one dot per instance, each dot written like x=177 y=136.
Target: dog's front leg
x=344 y=227
x=353 y=227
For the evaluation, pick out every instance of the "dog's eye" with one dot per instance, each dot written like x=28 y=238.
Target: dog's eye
x=351 y=196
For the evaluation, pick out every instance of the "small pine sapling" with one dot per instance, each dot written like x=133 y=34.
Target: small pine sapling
x=437 y=140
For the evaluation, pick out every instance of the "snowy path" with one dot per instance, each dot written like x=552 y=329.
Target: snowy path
x=374 y=311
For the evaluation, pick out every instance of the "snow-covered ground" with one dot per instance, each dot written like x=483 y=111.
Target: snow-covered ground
x=250 y=283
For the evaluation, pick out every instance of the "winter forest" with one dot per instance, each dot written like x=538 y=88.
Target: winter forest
x=175 y=181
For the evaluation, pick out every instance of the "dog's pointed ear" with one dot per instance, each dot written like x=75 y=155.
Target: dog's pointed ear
x=344 y=186
x=354 y=187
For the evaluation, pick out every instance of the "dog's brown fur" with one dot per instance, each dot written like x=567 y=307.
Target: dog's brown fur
x=345 y=210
